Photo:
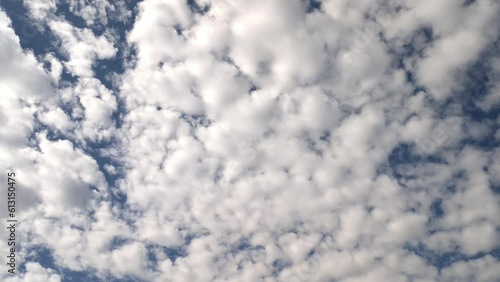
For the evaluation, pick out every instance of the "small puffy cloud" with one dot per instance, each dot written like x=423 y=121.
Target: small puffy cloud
x=81 y=47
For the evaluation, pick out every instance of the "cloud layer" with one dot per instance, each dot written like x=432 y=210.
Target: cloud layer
x=253 y=140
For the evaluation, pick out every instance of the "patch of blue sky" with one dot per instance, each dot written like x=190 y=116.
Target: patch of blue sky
x=31 y=37
x=45 y=257
x=171 y=253
x=442 y=260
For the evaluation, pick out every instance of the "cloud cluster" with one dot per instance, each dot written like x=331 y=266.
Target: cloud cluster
x=257 y=141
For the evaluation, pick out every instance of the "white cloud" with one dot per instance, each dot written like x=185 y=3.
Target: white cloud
x=35 y=273
x=40 y=9
x=81 y=47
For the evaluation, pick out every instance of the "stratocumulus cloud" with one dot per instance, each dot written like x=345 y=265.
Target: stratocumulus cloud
x=265 y=140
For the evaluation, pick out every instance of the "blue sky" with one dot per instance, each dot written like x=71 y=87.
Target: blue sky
x=228 y=140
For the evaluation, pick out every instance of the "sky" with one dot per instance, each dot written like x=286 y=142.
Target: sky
x=263 y=140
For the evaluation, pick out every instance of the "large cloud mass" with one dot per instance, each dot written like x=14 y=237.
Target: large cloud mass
x=265 y=140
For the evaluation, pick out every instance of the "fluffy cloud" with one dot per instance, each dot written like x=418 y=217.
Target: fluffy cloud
x=82 y=47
